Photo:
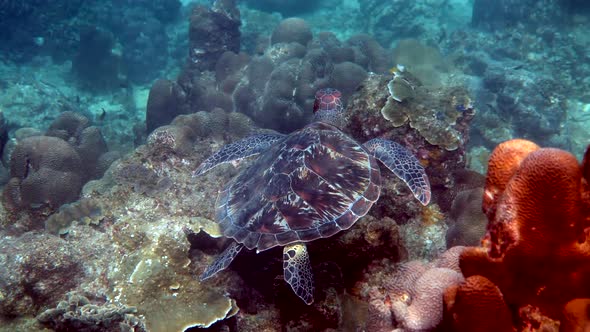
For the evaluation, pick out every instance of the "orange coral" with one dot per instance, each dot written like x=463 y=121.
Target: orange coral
x=576 y=316
x=503 y=163
x=537 y=245
x=477 y=305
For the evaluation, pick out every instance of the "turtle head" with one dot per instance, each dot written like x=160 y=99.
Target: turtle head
x=328 y=107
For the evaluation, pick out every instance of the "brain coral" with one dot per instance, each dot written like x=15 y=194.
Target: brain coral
x=87 y=140
x=162 y=105
x=410 y=295
x=44 y=170
x=536 y=249
x=477 y=305
x=291 y=30
x=276 y=86
x=468 y=221
x=426 y=309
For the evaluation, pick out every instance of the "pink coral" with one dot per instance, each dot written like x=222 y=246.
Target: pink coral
x=425 y=310
x=410 y=295
x=450 y=258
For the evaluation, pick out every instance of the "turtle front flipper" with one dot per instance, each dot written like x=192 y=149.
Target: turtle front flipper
x=243 y=148
x=297 y=269
x=403 y=164
x=222 y=261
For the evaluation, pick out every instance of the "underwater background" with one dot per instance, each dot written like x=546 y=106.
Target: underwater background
x=108 y=107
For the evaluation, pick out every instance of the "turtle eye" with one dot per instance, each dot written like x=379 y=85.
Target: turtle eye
x=316 y=105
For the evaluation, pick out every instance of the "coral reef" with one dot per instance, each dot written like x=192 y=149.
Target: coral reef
x=155 y=219
x=467 y=221
x=535 y=251
x=276 y=87
x=142 y=179
x=162 y=104
x=477 y=305
x=291 y=30
x=28 y=102
x=409 y=295
x=44 y=170
x=541 y=99
x=434 y=114
x=527 y=70
x=144 y=40
x=45 y=271
x=366 y=121
x=514 y=112
x=49 y=170
x=87 y=140
x=213 y=31
x=140 y=256
x=84 y=210
x=153 y=233
x=425 y=310
x=78 y=313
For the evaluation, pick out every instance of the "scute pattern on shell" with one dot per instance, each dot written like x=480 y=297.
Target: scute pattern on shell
x=313 y=184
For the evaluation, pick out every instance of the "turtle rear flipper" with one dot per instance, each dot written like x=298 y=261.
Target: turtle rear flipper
x=297 y=269
x=403 y=164
x=222 y=261
x=243 y=148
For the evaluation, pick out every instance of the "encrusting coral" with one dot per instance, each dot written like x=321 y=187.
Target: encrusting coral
x=78 y=313
x=84 y=210
x=435 y=114
x=537 y=246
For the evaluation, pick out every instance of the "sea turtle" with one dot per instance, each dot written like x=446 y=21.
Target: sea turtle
x=306 y=185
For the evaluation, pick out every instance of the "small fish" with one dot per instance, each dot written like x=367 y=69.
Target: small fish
x=124 y=84
x=39 y=41
x=102 y=115
x=464 y=107
x=397 y=69
x=442 y=35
